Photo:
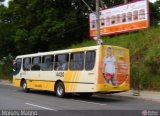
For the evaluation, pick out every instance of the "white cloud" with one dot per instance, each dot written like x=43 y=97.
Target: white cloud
x=6 y=2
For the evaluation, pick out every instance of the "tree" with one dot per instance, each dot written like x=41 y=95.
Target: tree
x=155 y=13
x=46 y=25
x=42 y=25
x=2 y=0
x=7 y=44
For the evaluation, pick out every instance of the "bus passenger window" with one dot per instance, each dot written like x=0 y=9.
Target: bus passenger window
x=61 y=62
x=26 y=64
x=90 y=60
x=17 y=66
x=47 y=63
x=77 y=61
x=36 y=61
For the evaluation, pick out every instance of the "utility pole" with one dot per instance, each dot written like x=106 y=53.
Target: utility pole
x=99 y=41
x=97 y=13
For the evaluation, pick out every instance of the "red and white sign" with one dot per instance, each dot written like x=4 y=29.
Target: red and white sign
x=124 y=18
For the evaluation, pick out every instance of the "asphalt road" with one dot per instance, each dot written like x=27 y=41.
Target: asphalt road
x=13 y=99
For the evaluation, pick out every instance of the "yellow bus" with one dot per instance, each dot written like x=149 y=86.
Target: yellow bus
x=87 y=70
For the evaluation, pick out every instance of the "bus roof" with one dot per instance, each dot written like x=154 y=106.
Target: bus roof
x=59 y=51
x=64 y=51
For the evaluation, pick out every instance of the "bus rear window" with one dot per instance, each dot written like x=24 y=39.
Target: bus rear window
x=77 y=61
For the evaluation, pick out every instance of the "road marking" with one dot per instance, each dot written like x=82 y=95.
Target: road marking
x=91 y=102
x=40 y=106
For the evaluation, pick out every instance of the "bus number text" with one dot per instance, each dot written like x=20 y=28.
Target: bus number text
x=60 y=74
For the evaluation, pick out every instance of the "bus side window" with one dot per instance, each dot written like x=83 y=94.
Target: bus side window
x=17 y=66
x=26 y=64
x=47 y=63
x=36 y=62
x=77 y=61
x=90 y=60
x=61 y=62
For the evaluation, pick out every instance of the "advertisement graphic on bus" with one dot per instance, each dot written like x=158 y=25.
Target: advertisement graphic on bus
x=115 y=65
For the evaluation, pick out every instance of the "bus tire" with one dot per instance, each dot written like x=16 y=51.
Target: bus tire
x=60 y=90
x=24 y=86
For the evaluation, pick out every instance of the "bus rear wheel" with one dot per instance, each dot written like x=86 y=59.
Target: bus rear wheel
x=60 y=90
x=24 y=86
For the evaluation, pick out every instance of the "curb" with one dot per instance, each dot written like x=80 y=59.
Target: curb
x=6 y=82
x=129 y=96
x=141 y=98
x=135 y=97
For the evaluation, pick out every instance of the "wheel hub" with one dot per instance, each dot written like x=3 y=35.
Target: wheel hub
x=60 y=90
x=24 y=86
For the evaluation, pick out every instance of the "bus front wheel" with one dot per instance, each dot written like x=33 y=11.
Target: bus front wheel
x=24 y=86
x=60 y=90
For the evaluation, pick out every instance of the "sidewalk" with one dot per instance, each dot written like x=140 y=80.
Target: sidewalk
x=5 y=82
x=145 y=95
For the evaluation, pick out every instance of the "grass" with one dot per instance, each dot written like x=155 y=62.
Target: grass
x=144 y=49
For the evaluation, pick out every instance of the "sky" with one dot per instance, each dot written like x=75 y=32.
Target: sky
x=6 y=2
x=152 y=0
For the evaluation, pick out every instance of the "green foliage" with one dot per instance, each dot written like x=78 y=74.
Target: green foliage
x=42 y=25
x=29 y=26
x=6 y=67
x=154 y=13
x=2 y=0
x=144 y=49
